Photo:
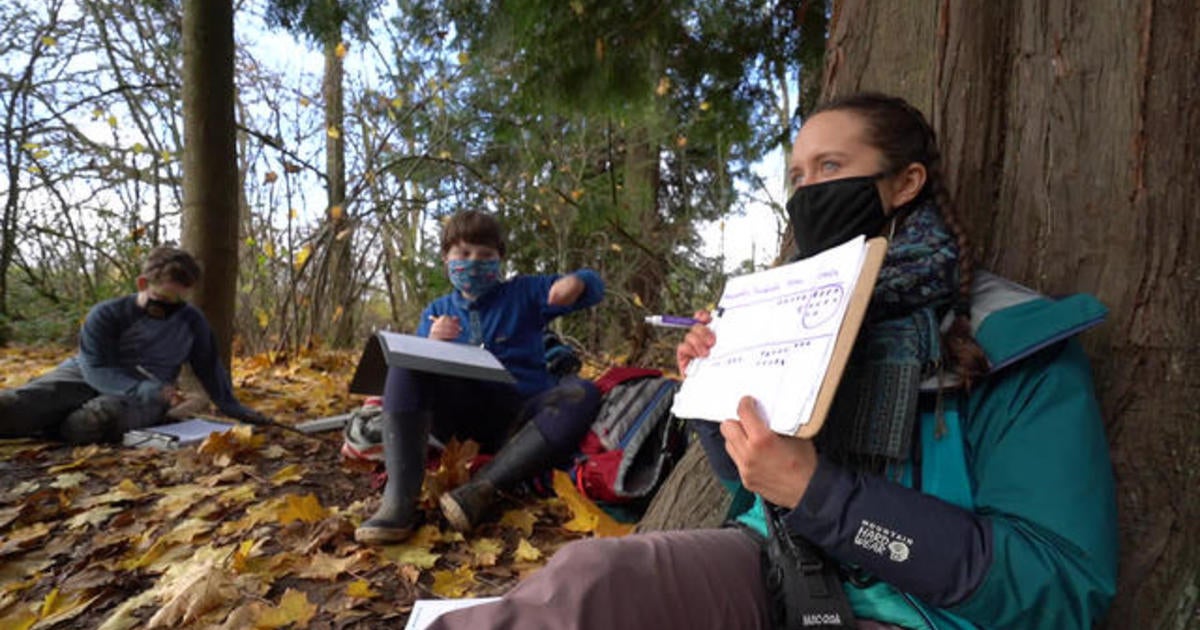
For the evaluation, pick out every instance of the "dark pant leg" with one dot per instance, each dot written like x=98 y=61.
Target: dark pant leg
x=564 y=413
x=678 y=579
x=38 y=408
x=483 y=411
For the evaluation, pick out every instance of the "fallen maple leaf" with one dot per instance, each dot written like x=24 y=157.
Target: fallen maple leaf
x=194 y=594
x=226 y=446
x=94 y=516
x=587 y=517
x=521 y=519
x=485 y=551
x=69 y=480
x=296 y=508
x=291 y=472
x=361 y=589
x=408 y=555
x=526 y=552
x=293 y=608
x=323 y=566
x=453 y=584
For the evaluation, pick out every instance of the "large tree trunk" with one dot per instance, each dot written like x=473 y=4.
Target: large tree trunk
x=1069 y=133
x=210 y=182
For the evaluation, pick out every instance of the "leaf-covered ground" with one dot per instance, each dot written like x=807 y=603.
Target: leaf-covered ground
x=253 y=529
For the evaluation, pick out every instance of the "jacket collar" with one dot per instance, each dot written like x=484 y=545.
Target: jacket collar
x=1011 y=322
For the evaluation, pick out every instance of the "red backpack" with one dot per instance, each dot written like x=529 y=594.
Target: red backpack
x=634 y=441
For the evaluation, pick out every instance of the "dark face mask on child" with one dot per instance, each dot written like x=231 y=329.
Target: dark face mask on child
x=162 y=309
x=831 y=213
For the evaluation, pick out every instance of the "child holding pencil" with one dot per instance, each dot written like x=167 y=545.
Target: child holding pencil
x=530 y=425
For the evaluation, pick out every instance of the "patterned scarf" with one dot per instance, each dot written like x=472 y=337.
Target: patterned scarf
x=873 y=414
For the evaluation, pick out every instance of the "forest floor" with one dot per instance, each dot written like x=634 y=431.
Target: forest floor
x=253 y=528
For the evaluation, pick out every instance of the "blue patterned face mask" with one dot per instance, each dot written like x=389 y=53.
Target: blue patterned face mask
x=474 y=278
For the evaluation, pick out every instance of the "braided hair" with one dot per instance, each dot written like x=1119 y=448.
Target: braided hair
x=904 y=137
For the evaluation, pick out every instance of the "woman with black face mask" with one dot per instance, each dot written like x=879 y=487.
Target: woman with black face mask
x=961 y=479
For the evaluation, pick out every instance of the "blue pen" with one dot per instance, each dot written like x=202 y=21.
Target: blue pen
x=671 y=321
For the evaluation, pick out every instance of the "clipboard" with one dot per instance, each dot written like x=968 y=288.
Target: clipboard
x=785 y=337
x=387 y=349
x=856 y=310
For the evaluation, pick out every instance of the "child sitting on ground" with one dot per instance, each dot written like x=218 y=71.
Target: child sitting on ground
x=530 y=425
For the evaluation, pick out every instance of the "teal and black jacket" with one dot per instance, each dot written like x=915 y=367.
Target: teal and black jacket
x=1005 y=517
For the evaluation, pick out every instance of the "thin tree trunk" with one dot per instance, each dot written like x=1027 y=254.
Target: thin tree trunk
x=210 y=183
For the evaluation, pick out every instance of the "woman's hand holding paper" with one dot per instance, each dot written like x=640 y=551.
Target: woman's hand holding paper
x=697 y=343
x=778 y=467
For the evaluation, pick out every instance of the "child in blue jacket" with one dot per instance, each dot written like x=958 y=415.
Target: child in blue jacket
x=530 y=426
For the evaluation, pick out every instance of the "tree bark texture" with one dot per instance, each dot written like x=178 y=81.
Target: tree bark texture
x=332 y=308
x=691 y=496
x=1069 y=133
x=210 y=183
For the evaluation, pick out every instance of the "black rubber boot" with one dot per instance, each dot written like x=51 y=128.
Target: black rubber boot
x=98 y=420
x=405 y=438
x=524 y=455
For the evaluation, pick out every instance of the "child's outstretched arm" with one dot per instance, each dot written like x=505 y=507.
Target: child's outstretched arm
x=580 y=289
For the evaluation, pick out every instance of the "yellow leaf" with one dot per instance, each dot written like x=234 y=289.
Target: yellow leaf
x=599 y=49
x=304 y=102
x=30 y=146
x=49 y=603
x=616 y=247
x=486 y=551
x=34 y=168
x=577 y=7
x=323 y=566
x=419 y=557
x=333 y=132
x=340 y=50
x=361 y=589
x=97 y=113
x=704 y=106
x=637 y=301
x=444 y=154
x=335 y=212
x=337 y=313
x=41 y=154
x=291 y=472
x=263 y=318
x=112 y=121
x=269 y=249
x=49 y=40
x=586 y=516
x=681 y=141
x=398 y=102
x=57 y=608
x=463 y=58
x=165 y=155
x=453 y=584
x=519 y=519
x=577 y=194
x=294 y=608
x=526 y=552
x=306 y=509
x=664 y=86
x=302 y=256
x=293 y=213
x=19 y=619
x=138 y=147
